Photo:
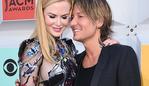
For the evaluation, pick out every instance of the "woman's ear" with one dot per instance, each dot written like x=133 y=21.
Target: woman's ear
x=99 y=23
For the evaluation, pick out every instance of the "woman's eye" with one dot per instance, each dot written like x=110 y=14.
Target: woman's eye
x=80 y=16
x=51 y=16
x=64 y=17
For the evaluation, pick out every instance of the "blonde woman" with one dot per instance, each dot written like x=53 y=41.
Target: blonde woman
x=45 y=59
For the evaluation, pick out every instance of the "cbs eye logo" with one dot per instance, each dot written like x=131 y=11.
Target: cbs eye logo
x=10 y=67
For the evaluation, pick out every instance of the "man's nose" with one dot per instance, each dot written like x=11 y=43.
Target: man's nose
x=73 y=21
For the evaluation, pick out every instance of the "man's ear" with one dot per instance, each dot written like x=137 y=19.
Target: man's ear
x=99 y=23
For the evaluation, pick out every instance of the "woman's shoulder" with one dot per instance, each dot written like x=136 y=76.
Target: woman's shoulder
x=70 y=45
x=29 y=48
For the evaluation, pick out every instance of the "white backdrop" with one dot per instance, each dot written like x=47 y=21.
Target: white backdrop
x=131 y=20
x=12 y=33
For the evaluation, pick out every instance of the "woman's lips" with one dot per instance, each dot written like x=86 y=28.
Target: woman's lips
x=57 y=29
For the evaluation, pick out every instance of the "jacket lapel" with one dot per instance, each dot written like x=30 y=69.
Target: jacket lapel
x=102 y=61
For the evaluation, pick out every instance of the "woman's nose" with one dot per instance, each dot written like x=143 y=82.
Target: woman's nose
x=58 y=22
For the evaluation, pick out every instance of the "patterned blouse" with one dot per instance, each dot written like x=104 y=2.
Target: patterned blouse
x=33 y=66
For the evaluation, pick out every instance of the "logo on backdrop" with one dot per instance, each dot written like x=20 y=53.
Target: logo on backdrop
x=18 y=9
x=10 y=67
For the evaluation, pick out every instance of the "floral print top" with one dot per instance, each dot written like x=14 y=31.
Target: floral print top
x=33 y=67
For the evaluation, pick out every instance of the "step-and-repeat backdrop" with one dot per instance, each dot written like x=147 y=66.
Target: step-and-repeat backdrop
x=11 y=11
x=135 y=35
x=8 y=66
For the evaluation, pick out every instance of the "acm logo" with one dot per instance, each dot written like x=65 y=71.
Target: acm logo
x=10 y=67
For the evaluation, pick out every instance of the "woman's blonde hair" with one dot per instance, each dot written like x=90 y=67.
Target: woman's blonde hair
x=46 y=40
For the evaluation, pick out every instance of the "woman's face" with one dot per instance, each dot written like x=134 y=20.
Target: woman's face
x=83 y=28
x=56 y=17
